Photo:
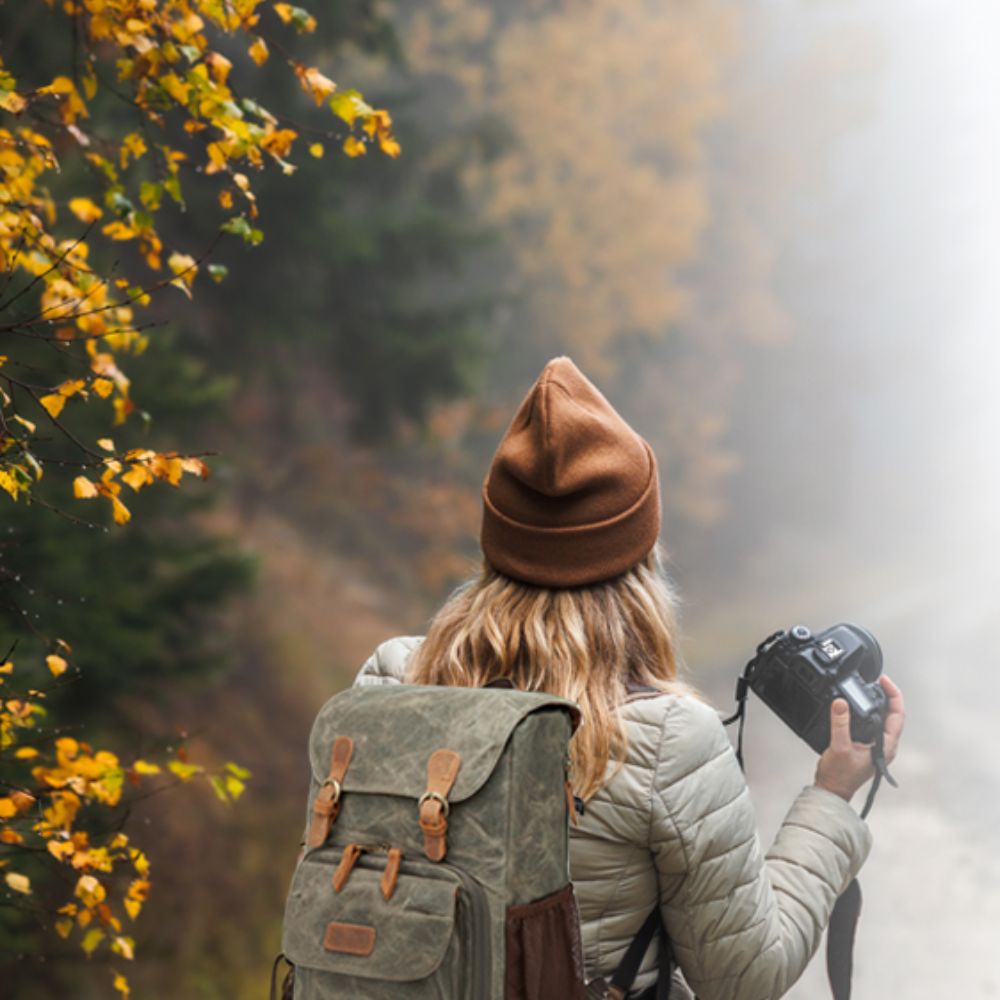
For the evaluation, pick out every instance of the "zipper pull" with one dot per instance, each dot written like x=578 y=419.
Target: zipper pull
x=391 y=874
x=351 y=854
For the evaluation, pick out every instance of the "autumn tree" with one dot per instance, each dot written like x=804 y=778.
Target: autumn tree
x=98 y=161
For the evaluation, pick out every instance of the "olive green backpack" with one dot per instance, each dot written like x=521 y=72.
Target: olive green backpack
x=435 y=862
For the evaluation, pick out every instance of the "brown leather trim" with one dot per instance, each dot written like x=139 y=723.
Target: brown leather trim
x=442 y=770
x=351 y=854
x=391 y=874
x=350 y=939
x=326 y=806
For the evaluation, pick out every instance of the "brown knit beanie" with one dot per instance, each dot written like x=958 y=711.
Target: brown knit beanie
x=572 y=496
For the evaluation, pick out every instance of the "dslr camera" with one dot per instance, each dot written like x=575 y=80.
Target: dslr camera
x=797 y=674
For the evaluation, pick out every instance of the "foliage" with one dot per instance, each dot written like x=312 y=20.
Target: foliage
x=177 y=82
x=101 y=160
x=62 y=808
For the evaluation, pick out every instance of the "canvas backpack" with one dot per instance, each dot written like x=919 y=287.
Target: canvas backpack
x=435 y=861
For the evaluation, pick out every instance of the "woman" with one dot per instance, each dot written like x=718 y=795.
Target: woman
x=572 y=601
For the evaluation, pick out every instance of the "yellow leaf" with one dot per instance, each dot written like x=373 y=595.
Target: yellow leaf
x=195 y=466
x=145 y=767
x=14 y=103
x=118 y=230
x=348 y=104
x=258 y=52
x=7 y=807
x=123 y=946
x=7 y=667
x=60 y=85
x=175 y=87
x=184 y=266
x=89 y=890
x=64 y=927
x=132 y=145
x=139 y=889
x=284 y=11
x=92 y=939
x=56 y=664
x=234 y=786
x=106 y=443
x=137 y=477
x=72 y=386
x=19 y=883
x=314 y=82
x=219 y=65
x=83 y=488
x=389 y=146
x=8 y=483
x=183 y=771
x=121 y=985
x=23 y=801
x=89 y=83
x=103 y=387
x=133 y=907
x=140 y=862
x=119 y=512
x=61 y=849
x=26 y=753
x=316 y=149
x=53 y=403
x=8 y=836
x=85 y=210
x=354 y=146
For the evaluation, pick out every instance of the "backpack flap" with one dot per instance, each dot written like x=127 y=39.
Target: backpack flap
x=395 y=730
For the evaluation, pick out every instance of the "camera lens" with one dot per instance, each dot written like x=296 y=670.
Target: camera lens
x=801 y=633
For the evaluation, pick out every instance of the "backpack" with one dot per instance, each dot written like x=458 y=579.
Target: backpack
x=435 y=861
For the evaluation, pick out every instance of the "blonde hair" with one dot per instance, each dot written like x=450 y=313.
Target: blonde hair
x=582 y=643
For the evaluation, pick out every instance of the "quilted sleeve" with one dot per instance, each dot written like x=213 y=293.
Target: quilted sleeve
x=387 y=665
x=743 y=924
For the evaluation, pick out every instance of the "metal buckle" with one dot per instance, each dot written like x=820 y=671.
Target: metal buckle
x=335 y=785
x=437 y=797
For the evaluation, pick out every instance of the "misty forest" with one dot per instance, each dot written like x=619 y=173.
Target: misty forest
x=273 y=281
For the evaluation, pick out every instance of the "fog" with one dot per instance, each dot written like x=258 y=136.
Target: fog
x=870 y=485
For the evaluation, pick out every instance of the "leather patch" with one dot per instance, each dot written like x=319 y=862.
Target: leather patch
x=349 y=939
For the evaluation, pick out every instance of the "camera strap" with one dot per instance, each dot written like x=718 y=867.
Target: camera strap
x=743 y=691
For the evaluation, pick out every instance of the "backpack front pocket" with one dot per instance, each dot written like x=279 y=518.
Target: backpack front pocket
x=423 y=942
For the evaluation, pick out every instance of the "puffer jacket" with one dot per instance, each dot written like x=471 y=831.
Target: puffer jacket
x=675 y=827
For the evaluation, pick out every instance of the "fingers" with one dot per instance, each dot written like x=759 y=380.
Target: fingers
x=840 y=726
x=896 y=716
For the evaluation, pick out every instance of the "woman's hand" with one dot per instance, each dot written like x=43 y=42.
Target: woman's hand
x=845 y=765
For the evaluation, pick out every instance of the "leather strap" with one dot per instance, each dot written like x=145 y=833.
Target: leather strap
x=390 y=876
x=840 y=940
x=327 y=804
x=347 y=861
x=442 y=770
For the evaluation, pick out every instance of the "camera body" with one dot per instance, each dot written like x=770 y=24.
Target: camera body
x=797 y=674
